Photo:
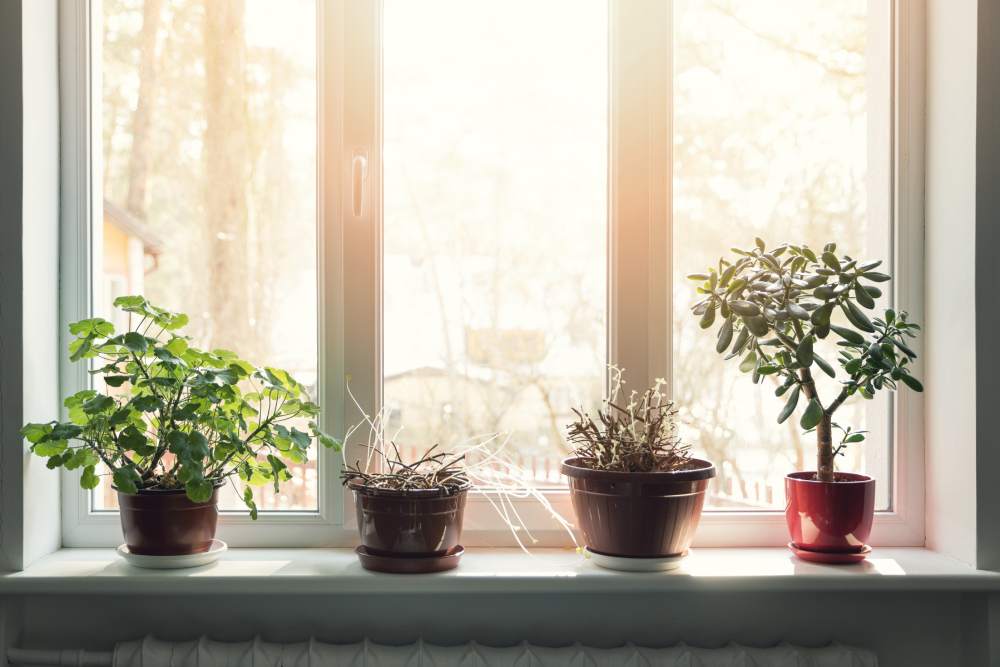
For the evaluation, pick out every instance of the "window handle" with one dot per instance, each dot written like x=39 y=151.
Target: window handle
x=359 y=182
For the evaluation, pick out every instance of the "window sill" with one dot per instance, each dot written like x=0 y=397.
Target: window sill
x=508 y=571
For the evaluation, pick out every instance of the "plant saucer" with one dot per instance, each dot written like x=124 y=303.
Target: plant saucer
x=636 y=564
x=830 y=557
x=403 y=564
x=179 y=562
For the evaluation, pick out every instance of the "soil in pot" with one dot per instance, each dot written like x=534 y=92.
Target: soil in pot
x=413 y=523
x=638 y=514
x=833 y=517
x=167 y=523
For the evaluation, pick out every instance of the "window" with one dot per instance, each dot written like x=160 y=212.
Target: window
x=209 y=183
x=464 y=211
x=777 y=133
x=494 y=220
x=204 y=160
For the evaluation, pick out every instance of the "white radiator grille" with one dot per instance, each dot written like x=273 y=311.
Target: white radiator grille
x=150 y=652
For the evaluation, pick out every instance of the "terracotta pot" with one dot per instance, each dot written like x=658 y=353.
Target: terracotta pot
x=419 y=523
x=829 y=516
x=167 y=523
x=642 y=514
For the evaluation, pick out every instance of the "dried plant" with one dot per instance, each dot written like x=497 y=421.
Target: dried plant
x=432 y=471
x=640 y=436
x=478 y=463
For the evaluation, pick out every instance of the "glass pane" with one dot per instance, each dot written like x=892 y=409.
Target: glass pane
x=495 y=224
x=775 y=105
x=209 y=117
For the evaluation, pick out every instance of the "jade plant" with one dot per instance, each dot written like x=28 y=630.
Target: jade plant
x=172 y=416
x=772 y=306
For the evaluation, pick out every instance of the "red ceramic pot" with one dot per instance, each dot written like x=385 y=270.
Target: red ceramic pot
x=418 y=523
x=829 y=516
x=638 y=514
x=167 y=523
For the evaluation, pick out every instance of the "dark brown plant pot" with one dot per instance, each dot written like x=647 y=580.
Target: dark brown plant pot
x=638 y=514
x=831 y=517
x=419 y=523
x=167 y=523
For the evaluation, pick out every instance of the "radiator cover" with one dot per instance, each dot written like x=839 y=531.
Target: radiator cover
x=151 y=652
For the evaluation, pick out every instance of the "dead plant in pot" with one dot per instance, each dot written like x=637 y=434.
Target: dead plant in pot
x=410 y=511
x=636 y=490
x=171 y=425
x=773 y=308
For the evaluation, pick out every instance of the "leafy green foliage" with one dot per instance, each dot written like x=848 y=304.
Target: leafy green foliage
x=774 y=305
x=175 y=416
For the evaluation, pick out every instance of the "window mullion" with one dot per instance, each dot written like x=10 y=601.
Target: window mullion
x=358 y=212
x=80 y=122
x=640 y=190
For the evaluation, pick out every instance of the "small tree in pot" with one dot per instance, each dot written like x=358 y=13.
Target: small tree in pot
x=173 y=424
x=772 y=306
x=636 y=490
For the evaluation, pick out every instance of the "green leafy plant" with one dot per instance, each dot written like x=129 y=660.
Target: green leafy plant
x=773 y=305
x=173 y=416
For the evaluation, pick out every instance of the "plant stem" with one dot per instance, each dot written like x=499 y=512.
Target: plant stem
x=824 y=442
x=824 y=431
x=808 y=384
x=837 y=402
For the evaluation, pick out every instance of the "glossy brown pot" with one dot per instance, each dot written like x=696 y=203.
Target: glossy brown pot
x=638 y=514
x=167 y=523
x=833 y=517
x=419 y=522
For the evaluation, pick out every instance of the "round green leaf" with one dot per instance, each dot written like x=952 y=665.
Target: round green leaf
x=708 y=318
x=725 y=336
x=744 y=308
x=862 y=296
x=911 y=382
x=812 y=416
x=789 y=407
x=804 y=352
x=850 y=335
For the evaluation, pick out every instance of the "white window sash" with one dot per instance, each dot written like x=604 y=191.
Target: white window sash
x=349 y=185
x=80 y=119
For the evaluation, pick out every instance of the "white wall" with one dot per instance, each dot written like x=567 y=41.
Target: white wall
x=10 y=281
x=29 y=261
x=40 y=252
x=950 y=218
x=987 y=282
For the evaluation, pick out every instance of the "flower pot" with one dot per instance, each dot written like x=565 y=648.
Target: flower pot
x=833 y=517
x=638 y=514
x=167 y=523
x=417 y=523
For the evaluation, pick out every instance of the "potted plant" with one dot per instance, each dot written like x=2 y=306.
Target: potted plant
x=409 y=514
x=172 y=425
x=635 y=488
x=410 y=510
x=773 y=306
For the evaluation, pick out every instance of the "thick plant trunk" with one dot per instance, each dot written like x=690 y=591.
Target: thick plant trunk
x=824 y=443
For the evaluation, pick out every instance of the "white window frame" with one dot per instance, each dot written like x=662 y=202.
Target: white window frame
x=80 y=124
x=349 y=186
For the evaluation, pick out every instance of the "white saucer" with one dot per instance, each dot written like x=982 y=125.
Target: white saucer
x=629 y=564
x=174 y=562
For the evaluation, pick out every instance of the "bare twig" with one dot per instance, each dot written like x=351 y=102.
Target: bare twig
x=638 y=437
